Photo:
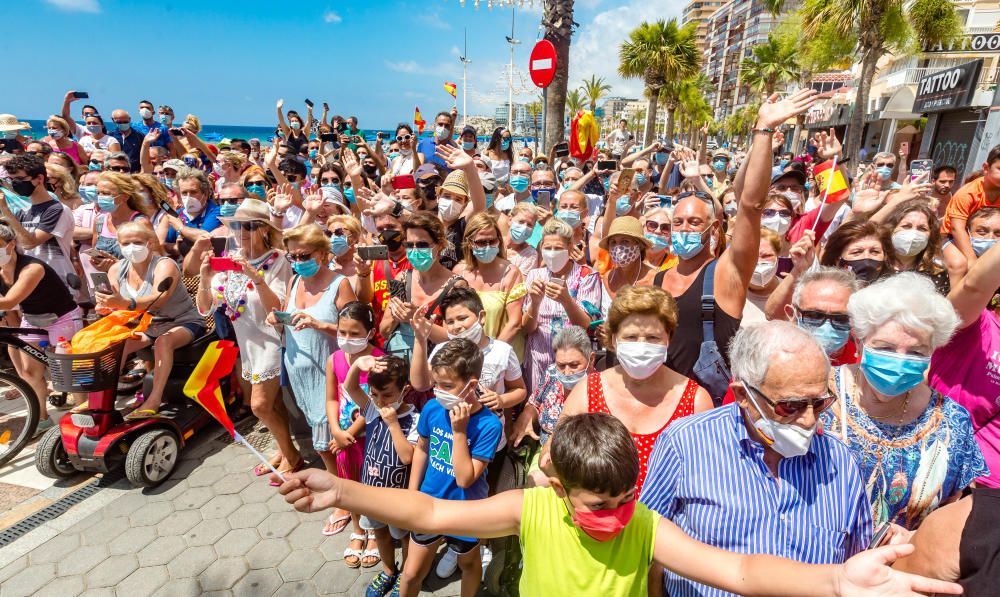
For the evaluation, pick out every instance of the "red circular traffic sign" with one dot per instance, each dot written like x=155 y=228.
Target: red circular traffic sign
x=542 y=63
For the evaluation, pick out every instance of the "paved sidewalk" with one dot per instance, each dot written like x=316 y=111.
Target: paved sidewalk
x=212 y=529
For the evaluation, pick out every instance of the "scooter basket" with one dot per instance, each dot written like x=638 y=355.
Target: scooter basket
x=89 y=372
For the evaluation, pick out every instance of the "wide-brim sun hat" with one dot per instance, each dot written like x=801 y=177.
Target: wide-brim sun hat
x=9 y=122
x=175 y=165
x=456 y=183
x=626 y=226
x=250 y=210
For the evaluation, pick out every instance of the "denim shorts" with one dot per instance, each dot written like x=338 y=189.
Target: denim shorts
x=370 y=524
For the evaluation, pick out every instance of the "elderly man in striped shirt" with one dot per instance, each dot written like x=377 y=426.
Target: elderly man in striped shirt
x=756 y=476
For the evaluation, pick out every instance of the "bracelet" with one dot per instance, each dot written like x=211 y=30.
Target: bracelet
x=765 y=131
x=277 y=214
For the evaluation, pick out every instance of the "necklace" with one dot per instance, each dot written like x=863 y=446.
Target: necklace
x=901 y=415
x=234 y=289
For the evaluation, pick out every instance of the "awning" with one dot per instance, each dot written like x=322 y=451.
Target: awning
x=900 y=105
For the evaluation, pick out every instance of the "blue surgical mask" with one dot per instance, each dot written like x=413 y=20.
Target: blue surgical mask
x=504 y=144
x=640 y=179
x=468 y=145
x=88 y=193
x=489 y=200
x=607 y=184
x=349 y=194
x=92 y=167
x=569 y=216
x=169 y=183
x=519 y=182
x=256 y=189
x=94 y=129
x=227 y=210
x=570 y=380
x=106 y=203
x=524 y=158
x=719 y=165
x=313 y=153
x=659 y=241
x=884 y=172
x=306 y=269
x=162 y=118
x=123 y=126
x=981 y=245
x=393 y=155
x=15 y=202
x=623 y=205
x=782 y=164
x=420 y=259
x=485 y=254
x=8 y=134
x=830 y=338
x=890 y=373
x=661 y=158
x=520 y=232
x=809 y=184
x=686 y=244
x=339 y=245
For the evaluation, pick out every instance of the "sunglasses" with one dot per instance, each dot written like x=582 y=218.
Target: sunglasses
x=251 y=183
x=403 y=137
x=420 y=244
x=338 y=232
x=298 y=257
x=95 y=162
x=663 y=227
x=230 y=202
x=482 y=244
x=122 y=169
x=250 y=226
x=794 y=406
x=840 y=321
x=770 y=213
x=329 y=181
x=883 y=165
x=699 y=194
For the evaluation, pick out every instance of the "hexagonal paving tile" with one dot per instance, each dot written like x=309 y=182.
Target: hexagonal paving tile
x=257 y=492
x=161 y=551
x=222 y=455
x=103 y=592
x=55 y=549
x=248 y=515
x=333 y=547
x=296 y=589
x=132 y=540
x=191 y=562
x=223 y=574
x=125 y=505
x=204 y=476
x=268 y=553
x=83 y=560
x=13 y=568
x=334 y=577
x=277 y=503
x=29 y=580
x=241 y=463
x=104 y=532
x=232 y=483
x=180 y=587
x=301 y=564
x=237 y=542
x=207 y=532
x=220 y=506
x=258 y=582
x=66 y=586
x=307 y=535
x=178 y=523
x=167 y=491
x=222 y=593
x=144 y=581
x=194 y=498
x=84 y=524
x=278 y=524
x=151 y=513
x=112 y=571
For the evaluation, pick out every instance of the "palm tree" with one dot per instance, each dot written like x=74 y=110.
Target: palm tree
x=594 y=89
x=574 y=102
x=557 y=18
x=880 y=27
x=534 y=110
x=772 y=63
x=657 y=53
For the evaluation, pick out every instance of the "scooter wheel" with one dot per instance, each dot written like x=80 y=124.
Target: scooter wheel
x=152 y=457
x=51 y=458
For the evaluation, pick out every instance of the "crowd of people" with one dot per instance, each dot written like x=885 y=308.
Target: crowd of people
x=705 y=355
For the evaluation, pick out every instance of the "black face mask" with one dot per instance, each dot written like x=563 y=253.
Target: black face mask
x=371 y=171
x=23 y=188
x=866 y=270
x=392 y=239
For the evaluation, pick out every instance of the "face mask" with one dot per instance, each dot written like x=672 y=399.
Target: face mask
x=146 y=113
x=106 y=203
x=420 y=259
x=123 y=126
x=393 y=155
x=349 y=194
x=217 y=168
x=686 y=244
x=719 y=165
x=607 y=184
x=489 y=200
x=88 y=193
x=524 y=159
x=892 y=374
x=604 y=525
x=784 y=438
x=730 y=208
x=519 y=182
x=569 y=380
x=306 y=269
x=169 y=183
x=192 y=205
x=6 y=256
x=405 y=152
x=808 y=185
x=94 y=129
x=520 y=232
x=295 y=124
x=227 y=210
x=442 y=133
x=640 y=359
x=661 y=158
x=473 y=333
x=763 y=273
x=485 y=254
x=93 y=167
x=392 y=239
x=339 y=245
x=8 y=134
x=254 y=189
x=505 y=144
x=163 y=118
x=447 y=399
x=782 y=164
x=555 y=260
x=660 y=242
x=710 y=182
x=468 y=145
x=570 y=217
x=135 y=253
x=884 y=172
x=777 y=224
x=351 y=345
x=640 y=179
x=623 y=205
x=449 y=209
x=370 y=171
x=981 y=245
x=866 y=270
x=313 y=153
x=830 y=338
x=909 y=242
x=622 y=255
x=24 y=188
x=793 y=197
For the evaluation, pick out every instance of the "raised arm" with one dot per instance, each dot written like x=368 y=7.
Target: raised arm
x=65 y=113
x=281 y=117
x=632 y=157
x=974 y=292
x=457 y=159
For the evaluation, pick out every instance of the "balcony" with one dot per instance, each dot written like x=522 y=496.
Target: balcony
x=912 y=76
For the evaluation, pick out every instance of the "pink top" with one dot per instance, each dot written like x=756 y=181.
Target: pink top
x=73 y=151
x=967 y=370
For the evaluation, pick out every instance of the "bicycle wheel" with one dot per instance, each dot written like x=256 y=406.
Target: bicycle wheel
x=18 y=416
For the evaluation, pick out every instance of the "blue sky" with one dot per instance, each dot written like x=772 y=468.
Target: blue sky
x=228 y=61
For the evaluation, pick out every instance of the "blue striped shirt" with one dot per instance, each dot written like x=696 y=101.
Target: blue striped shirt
x=708 y=476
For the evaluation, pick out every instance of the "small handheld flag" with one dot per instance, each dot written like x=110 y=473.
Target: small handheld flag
x=834 y=186
x=583 y=135
x=417 y=120
x=451 y=88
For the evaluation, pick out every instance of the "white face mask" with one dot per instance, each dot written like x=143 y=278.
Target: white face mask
x=763 y=273
x=6 y=255
x=788 y=440
x=795 y=198
x=351 y=345
x=909 y=242
x=394 y=406
x=146 y=113
x=192 y=206
x=441 y=133
x=640 y=359
x=135 y=252
x=449 y=209
x=555 y=260
x=777 y=224
x=447 y=399
x=473 y=333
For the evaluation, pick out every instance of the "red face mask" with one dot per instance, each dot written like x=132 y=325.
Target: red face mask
x=603 y=525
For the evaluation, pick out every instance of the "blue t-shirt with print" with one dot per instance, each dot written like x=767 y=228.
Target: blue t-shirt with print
x=483 y=432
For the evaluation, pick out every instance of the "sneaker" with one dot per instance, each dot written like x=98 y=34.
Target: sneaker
x=46 y=424
x=487 y=557
x=382 y=584
x=447 y=565
x=394 y=592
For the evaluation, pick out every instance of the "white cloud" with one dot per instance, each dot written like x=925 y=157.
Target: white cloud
x=76 y=5
x=406 y=66
x=331 y=17
x=432 y=20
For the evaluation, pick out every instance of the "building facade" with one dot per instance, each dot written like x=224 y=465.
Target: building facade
x=700 y=11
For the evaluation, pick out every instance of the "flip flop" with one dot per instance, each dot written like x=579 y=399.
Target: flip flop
x=262 y=469
x=294 y=469
x=332 y=520
x=145 y=413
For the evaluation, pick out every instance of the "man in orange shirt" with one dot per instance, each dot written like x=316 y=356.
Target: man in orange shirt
x=982 y=192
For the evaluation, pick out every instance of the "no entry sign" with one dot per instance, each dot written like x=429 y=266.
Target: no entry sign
x=542 y=64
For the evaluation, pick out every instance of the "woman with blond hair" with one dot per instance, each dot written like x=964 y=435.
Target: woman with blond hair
x=118 y=202
x=345 y=234
x=155 y=194
x=134 y=286
x=63 y=185
x=228 y=166
x=60 y=141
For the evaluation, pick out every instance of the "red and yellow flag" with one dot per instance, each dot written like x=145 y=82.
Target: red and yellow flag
x=583 y=135
x=451 y=88
x=417 y=120
x=838 y=189
x=203 y=385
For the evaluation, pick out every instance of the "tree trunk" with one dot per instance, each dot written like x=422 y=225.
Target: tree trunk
x=671 y=108
x=557 y=19
x=647 y=138
x=856 y=127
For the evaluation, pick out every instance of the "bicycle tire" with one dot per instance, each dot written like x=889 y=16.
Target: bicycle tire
x=27 y=397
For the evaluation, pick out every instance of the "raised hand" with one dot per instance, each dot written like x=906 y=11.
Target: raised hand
x=868 y=194
x=827 y=145
x=911 y=189
x=774 y=112
x=777 y=141
x=312 y=200
x=420 y=323
x=281 y=102
x=453 y=156
x=366 y=363
x=151 y=136
x=310 y=490
x=283 y=197
x=803 y=253
x=459 y=416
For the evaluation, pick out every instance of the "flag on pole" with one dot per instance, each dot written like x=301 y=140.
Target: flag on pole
x=203 y=385
x=583 y=135
x=417 y=120
x=830 y=178
x=451 y=88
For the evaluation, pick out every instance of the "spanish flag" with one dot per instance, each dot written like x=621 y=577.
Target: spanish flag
x=835 y=188
x=203 y=385
x=583 y=135
x=417 y=120
x=451 y=88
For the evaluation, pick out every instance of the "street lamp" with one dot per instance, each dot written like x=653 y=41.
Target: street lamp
x=465 y=73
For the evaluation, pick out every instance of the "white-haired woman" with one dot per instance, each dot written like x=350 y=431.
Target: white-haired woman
x=914 y=445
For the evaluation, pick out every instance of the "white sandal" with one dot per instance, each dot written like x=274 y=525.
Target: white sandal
x=348 y=552
x=371 y=553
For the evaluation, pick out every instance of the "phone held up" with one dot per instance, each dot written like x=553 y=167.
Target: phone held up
x=920 y=167
x=373 y=252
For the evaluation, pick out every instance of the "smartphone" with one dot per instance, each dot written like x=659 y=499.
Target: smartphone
x=93 y=253
x=309 y=103
x=561 y=150
x=404 y=181
x=176 y=132
x=283 y=317
x=545 y=199
x=397 y=289
x=880 y=535
x=557 y=281
x=101 y=282
x=625 y=181
x=919 y=167
x=81 y=95
x=167 y=208
x=328 y=137
x=665 y=200
x=223 y=264
x=357 y=139
x=373 y=252
x=784 y=266
x=607 y=164
x=219 y=245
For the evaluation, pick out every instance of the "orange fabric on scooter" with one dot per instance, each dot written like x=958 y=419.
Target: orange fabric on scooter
x=115 y=327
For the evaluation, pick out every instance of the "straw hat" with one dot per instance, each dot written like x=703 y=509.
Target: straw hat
x=626 y=226
x=456 y=183
x=9 y=122
x=250 y=210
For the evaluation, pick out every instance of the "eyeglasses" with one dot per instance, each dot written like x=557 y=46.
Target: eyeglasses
x=883 y=164
x=794 y=406
x=483 y=243
x=338 y=232
x=770 y=213
x=299 y=257
x=403 y=137
x=420 y=244
x=251 y=183
x=250 y=226
x=235 y=201
x=662 y=227
x=329 y=181
x=840 y=321
x=122 y=169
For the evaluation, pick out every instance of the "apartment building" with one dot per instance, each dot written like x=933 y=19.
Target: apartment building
x=700 y=11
